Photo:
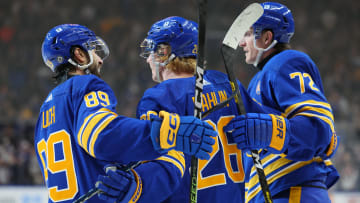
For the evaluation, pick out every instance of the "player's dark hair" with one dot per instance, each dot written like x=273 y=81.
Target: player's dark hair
x=282 y=46
x=62 y=71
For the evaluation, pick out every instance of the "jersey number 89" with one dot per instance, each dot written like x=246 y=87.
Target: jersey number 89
x=95 y=98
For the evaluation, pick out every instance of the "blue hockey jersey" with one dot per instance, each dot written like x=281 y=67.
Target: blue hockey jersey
x=289 y=84
x=220 y=179
x=78 y=132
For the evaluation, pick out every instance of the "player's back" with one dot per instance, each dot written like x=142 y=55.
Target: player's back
x=68 y=170
x=220 y=179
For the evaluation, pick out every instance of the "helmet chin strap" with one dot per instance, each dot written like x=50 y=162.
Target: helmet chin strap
x=162 y=64
x=83 y=67
x=261 y=51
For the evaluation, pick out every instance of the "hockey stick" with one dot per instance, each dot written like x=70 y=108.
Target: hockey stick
x=230 y=43
x=218 y=106
x=95 y=190
x=200 y=69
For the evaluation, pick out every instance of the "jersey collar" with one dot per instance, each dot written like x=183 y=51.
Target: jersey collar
x=266 y=59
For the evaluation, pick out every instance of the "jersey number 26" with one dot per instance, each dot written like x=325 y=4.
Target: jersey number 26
x=229 y=150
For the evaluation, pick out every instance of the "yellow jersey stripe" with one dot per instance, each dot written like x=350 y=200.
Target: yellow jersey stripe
x=90 y=122
x=329 y=119
x=178 y=156
x=98 y=131
x=278 y=175
x=170 y=160
x=325 y=119
x=291 y=108
x=80 y=133
x=319 y=110
x=264 y=162
x=269 y=169
x=295 y=195
x=89 y=128
x=86 y=120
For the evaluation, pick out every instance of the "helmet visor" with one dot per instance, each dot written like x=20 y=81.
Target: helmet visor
x=100 y=47
x=147 y=47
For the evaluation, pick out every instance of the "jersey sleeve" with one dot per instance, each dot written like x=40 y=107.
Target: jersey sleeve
x=165 y=96
x=170 y=167
x=161 y=177
x=104 y=134
x=298 y=92
x=150 y=105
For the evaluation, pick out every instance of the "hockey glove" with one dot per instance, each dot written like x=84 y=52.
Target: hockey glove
x=182 y=133
x=119 y=185
x=259 y=131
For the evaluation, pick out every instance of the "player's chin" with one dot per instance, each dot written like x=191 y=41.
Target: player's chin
x=247 y=58
x=95 y=70
x=153 y=78
x=249 y=61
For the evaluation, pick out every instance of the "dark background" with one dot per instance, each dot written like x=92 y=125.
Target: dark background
x=328 y=30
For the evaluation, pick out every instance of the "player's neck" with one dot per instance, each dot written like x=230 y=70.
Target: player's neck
x=267 y=53
x=77 y=72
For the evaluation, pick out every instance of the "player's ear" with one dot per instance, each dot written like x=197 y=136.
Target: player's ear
x=268 y=37
x=80 y=55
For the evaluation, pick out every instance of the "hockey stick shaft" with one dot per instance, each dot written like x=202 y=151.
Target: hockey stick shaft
x=200 y=69
x=230 y=43
x=218 y=106
x=227 y=54
x=95 y=190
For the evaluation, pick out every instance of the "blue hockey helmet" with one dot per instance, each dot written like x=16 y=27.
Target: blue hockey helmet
x=278 y=18
x=181 y=34
x=56 y=48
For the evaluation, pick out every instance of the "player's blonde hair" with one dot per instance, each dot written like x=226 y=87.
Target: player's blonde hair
x=177 y=65
x=182 y=65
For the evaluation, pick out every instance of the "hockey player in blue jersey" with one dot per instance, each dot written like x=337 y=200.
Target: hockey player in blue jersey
x=170 y=49
x=78 y=131
x=295 y=133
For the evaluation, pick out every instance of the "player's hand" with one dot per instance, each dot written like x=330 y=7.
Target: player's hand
x=259 y=131
x=119 y=185
x=182 y=133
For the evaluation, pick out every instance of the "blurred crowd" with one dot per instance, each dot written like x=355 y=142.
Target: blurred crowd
x=326 y=29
